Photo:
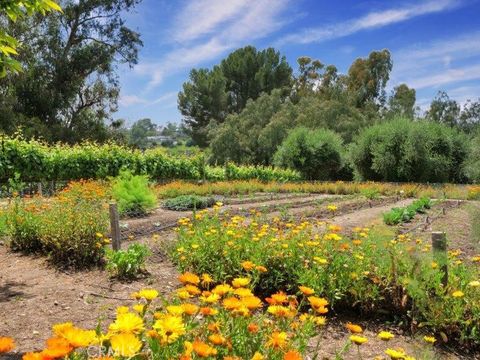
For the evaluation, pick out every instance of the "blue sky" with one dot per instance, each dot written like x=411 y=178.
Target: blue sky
x=435 y=43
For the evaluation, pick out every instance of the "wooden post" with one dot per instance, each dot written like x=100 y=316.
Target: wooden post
x=439 y=249
x=40 y=190
x=115 y=226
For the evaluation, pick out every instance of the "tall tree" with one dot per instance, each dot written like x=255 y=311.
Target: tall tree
x=203 y=99
x=210 y=95
x=470 y=115
x=368 y=77
x=444 y=110
x=70 y=84
x=402 y=101
x=140 y=131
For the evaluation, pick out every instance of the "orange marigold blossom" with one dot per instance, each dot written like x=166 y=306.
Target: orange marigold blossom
x=306 y=290
x=189 y=278
x=6 y=344
x=354 y=328
x=203 y=349
x=292 y=355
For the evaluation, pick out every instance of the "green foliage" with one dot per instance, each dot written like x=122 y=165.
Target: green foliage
x=189 y=202
x=405 y=214
x=405 y=150
x=316 y=154
x=472 y=163
x=210 y=95
x=33 y=161
x=127 y=264
x=133 y=194
x=66 y=228
x=69 y=92
x=14 y=10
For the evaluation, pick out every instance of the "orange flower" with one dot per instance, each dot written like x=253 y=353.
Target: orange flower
x=189 y=278
x=277 y=299
x=57 y=348
x=251 y=302
x=206 y=311
x=217 y=339
x=202 y=349
x=292 y=355
x=248 y=265
x=6 y=344
x=252 y=328
x=306 y=290
x=354 y=329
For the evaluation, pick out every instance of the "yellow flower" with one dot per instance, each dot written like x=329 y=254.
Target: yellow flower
x=474 y=283
x=189 y=309
x=139 y=308
x=258 y=356
x=280 y=311
x=385 y=335
x=395 y=353
x=210 y=299
x=206 y=279
x=240 y=282
x=358 y=340
x=222 y=289
x=277 y=340
x=78 y=337
x=429 y=339
x=458 y=294
x=148 y=294
x=170 y=328
x=176 y=310
x=243 y=292
x=126 y=345
x=127 y=323
x=59 y=329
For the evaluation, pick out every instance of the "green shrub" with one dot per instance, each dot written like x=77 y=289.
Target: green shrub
x=189 y=202
x=316 y=154
x=406 y=150
x=133 y=194
x=127 y=264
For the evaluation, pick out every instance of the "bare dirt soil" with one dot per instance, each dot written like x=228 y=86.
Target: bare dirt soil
x=34 y=295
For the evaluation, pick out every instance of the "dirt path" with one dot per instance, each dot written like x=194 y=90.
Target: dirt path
x=34 y=295
x=364 y=217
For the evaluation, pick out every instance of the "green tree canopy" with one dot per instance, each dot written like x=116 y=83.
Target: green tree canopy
x=210 y=95
x=70 y=85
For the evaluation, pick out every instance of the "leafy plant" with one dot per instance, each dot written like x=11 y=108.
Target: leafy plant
x=189 y=202
x=133 y=194
x=127 y=264
x=398 y=215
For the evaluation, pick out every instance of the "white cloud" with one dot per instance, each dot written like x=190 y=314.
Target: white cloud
x=438 y=63
x=201 y=17
x=256 y=19
x=370 y=21
x=455 y=75
x=129 y=100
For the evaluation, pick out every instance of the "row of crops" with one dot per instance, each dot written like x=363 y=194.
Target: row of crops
x=35 y=161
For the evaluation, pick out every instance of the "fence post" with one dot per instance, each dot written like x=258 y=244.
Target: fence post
x=115 y=226
x=439 y=249
x=40 y=190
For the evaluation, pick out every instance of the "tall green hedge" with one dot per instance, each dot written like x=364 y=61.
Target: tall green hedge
x=407 y=150
x=36 y=161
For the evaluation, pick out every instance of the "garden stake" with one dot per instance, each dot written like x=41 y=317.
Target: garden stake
x=115 y=226
x=439 y=249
